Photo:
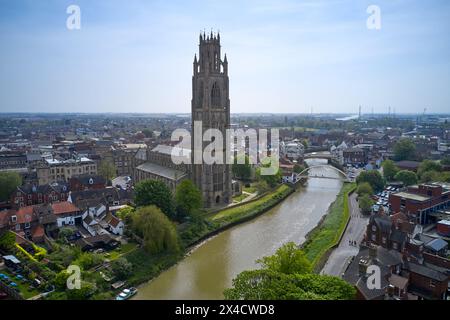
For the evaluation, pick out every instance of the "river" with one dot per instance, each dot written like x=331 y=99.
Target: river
x=210 y=268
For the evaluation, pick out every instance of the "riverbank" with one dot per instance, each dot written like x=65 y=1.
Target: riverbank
x=146 y=267
x=327 y=234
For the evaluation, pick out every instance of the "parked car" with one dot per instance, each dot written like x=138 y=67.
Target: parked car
x=126 y=293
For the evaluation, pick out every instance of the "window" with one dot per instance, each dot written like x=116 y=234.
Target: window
x=215 y=95
x=27 y=225
x=395 y=245
x=383 y=239
x=374 y=237
x=14 y=218
x=432 y=283
x=374 y=228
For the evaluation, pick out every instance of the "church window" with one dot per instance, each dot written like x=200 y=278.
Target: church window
x=215 y=95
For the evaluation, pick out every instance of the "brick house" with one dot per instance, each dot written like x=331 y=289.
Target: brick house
x=87 y=182
x=28 y=195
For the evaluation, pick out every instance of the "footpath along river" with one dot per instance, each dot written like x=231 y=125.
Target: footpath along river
x=210 y=268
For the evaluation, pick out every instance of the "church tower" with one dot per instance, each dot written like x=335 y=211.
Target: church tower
x=211 y=106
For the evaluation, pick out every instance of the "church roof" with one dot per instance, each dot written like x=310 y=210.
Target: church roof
x=158 y=170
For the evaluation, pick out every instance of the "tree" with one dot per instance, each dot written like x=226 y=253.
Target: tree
x=7 y=241
x=272 y=180
x=430 y=176
x=404 y=149
x=242 y=170
x=298 y=168
x=365 y=204
x=188 y=199
x=373 y=177
x=269 y=285
x=445 y=161
x=288 y=259
x=9 y=181
x=156 y=229
x=407 y=177
x=86 y=290
x=389 y=170
x=121 y=268
x=364 y=188
x=148 y=133
x=428 y=165
x=153 y=192
x=261 y=186
x=107 y=170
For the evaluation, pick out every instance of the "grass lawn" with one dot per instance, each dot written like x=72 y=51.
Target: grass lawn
x=325 y=236
x=22 y=287
x=253 y=207
x=250 y=189
x=240 y=198
x=123 y=249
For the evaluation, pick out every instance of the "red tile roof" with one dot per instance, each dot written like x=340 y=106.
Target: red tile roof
x=64 y=207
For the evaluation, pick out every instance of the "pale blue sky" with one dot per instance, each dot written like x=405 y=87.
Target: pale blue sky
x=284 y=55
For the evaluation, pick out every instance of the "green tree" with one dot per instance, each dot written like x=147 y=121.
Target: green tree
x=365 y=204
x=107 y=170
x=364 y=188
x=430 y=176
x=241 y=167
x=404 y=149
x=407 y=177
x=428 y=165
x=373 y=177
x=153 y=192
x=389 y=170
x=147 y=133
x=86 y=290
x=269 y=285
x=121 y=268
x=9 y=181
x=298 y=168
x=60 y=280
x=272 y=180
x=288 y=259
x=445 y=161
x=188 y=199
x=7 y=241
x=156 y=229
x=261 y=186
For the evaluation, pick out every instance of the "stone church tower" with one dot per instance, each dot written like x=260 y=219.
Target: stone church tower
x=211 y=106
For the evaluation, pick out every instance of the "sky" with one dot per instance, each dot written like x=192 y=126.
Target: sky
x=284 y=56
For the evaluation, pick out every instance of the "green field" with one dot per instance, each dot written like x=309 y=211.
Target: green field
x=252 y=207
x=328 y=233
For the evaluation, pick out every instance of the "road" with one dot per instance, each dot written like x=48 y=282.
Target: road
x=340 y=257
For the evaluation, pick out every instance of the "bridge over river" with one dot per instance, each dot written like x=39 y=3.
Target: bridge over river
x=210 y=268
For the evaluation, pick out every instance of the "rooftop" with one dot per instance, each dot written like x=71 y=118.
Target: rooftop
x=165 y=172
x=411 y=196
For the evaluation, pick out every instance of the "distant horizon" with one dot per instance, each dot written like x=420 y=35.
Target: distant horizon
x=291 y=56
x=236 y=113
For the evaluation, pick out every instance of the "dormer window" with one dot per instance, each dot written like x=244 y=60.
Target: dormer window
x=14 y=219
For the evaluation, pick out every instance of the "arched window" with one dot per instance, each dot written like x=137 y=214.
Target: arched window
x=200 y=94
x=215 y=95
